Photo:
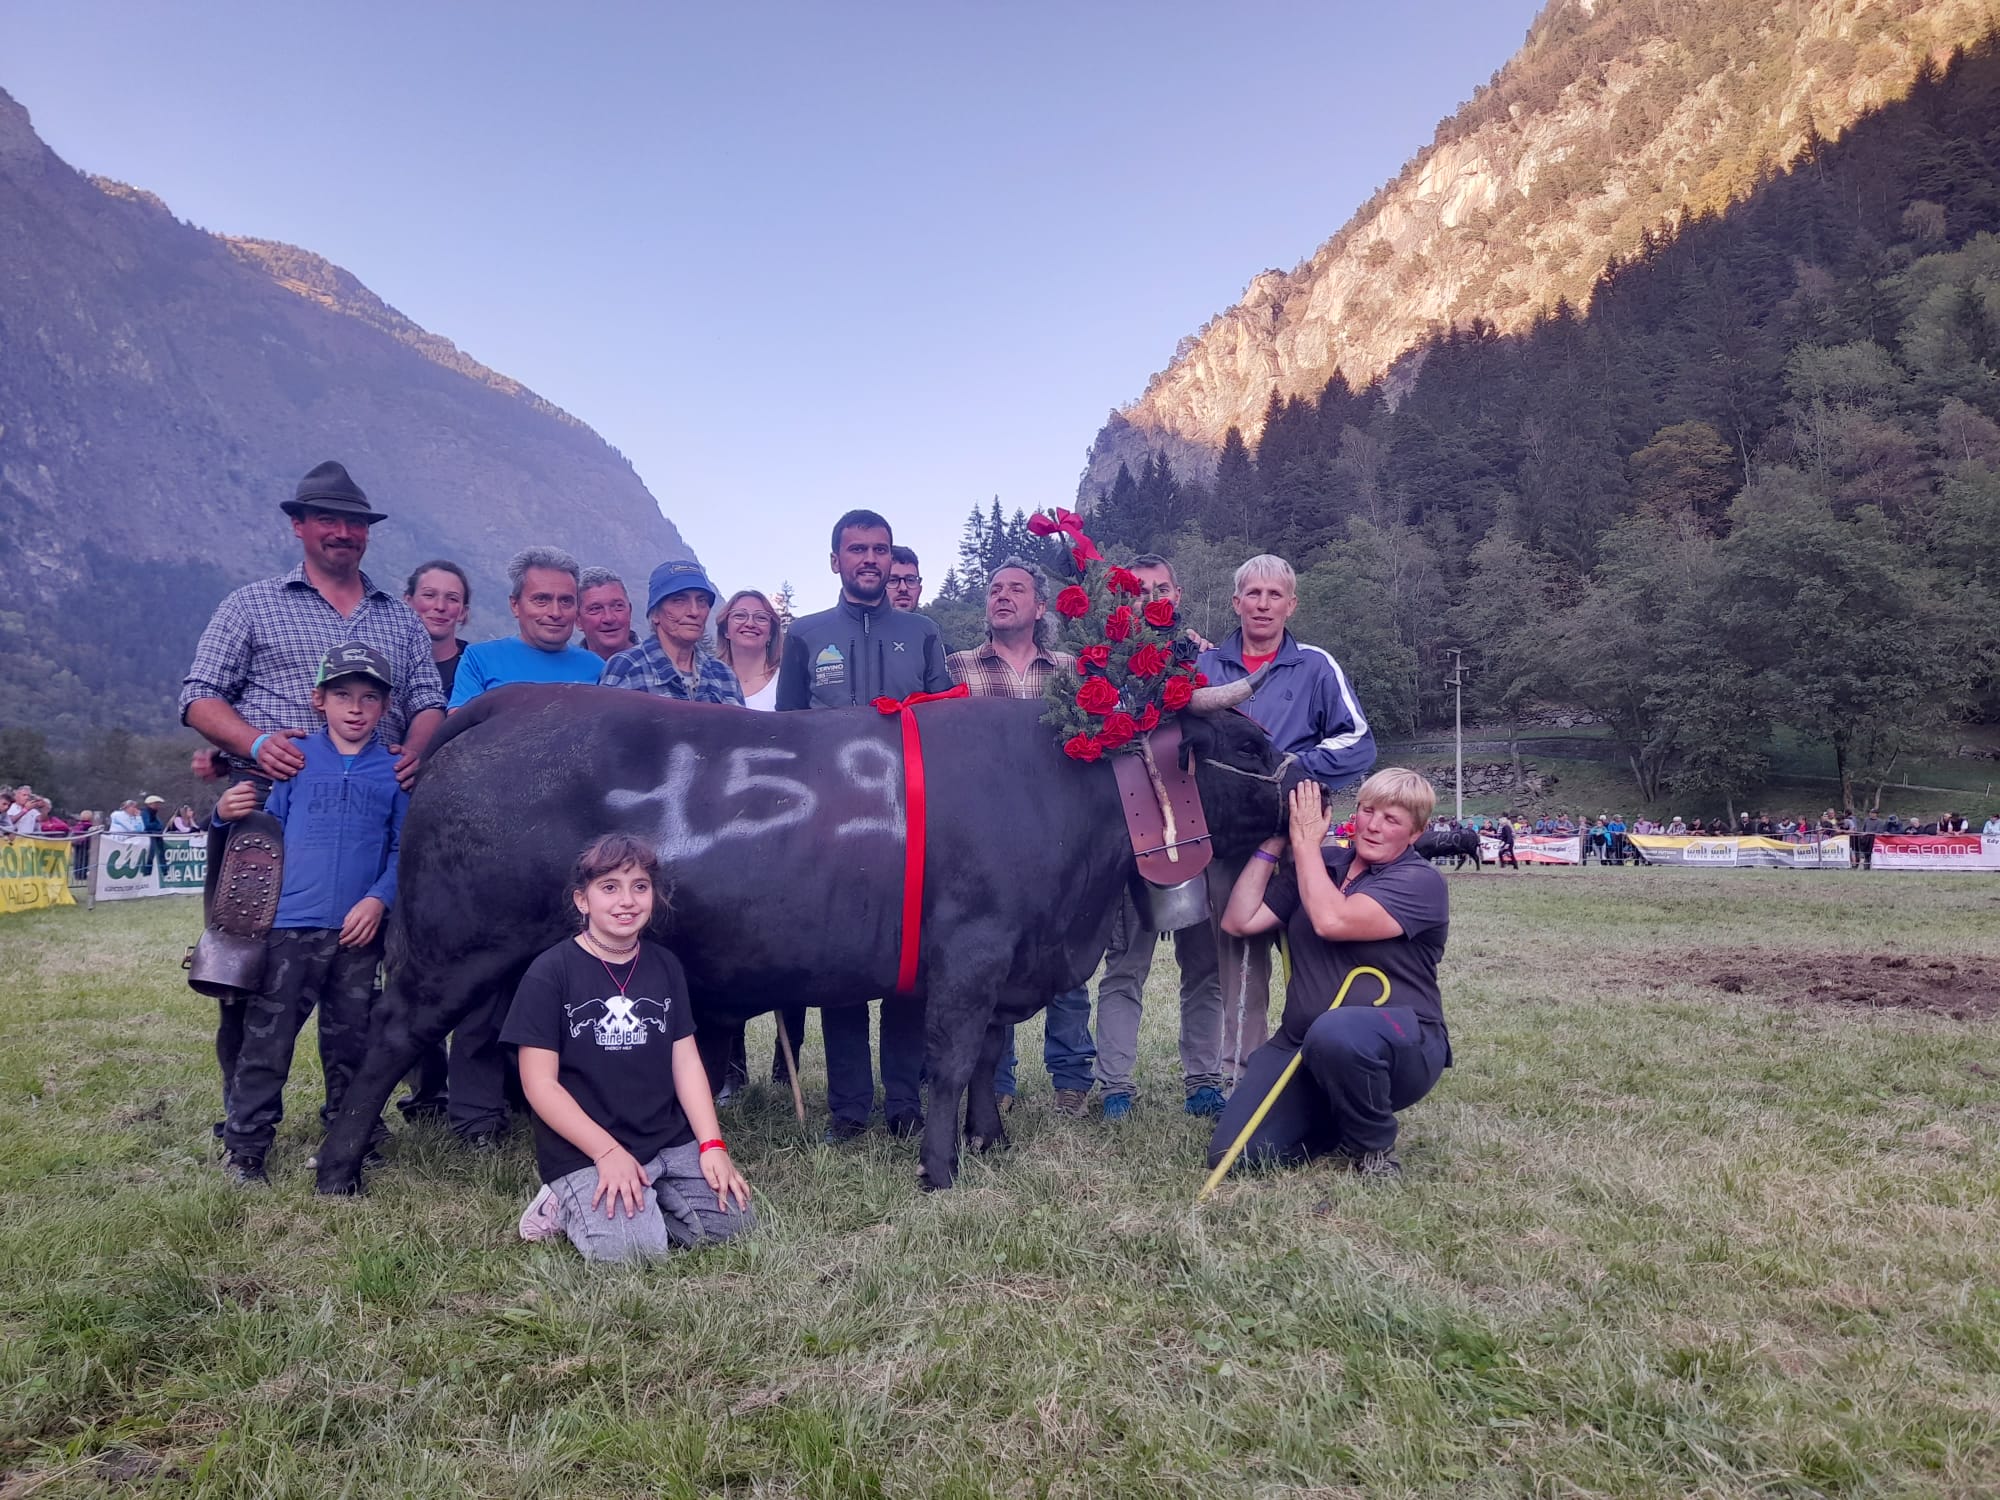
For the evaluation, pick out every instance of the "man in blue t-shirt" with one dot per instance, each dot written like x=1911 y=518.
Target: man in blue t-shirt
x=544 y=602
x=543 y=596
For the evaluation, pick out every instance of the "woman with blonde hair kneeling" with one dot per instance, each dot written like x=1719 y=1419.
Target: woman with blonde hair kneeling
x=632 y=1161
x=1377 y=904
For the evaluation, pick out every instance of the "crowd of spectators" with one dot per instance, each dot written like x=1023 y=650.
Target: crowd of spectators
x=1606 y=838
x=29 y=815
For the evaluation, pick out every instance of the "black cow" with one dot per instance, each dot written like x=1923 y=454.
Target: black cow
x=781 y=843
x=1459 y=844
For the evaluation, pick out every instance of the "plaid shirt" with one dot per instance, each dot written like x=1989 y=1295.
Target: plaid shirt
x=648 y=668
x=265 y=642
x=987 y=674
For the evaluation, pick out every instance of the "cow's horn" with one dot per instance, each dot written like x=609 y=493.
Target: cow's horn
x=1222 y=698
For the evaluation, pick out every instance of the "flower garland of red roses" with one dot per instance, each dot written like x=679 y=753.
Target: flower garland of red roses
x=1133 y=661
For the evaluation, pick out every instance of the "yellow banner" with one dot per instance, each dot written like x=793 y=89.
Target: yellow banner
x=34 y=874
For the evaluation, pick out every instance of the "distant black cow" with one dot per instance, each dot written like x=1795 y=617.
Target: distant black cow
x=1457 y=844
x=781 y=844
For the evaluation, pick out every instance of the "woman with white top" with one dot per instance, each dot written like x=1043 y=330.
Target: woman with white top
x=749 y=644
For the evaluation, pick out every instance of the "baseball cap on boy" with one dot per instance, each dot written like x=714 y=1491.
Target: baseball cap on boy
x=355 y=659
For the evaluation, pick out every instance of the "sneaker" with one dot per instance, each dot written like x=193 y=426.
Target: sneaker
x=245 y=1171
x=543 y=1217
x=1117 y=1106
x=481 y=1142
x=839 y=1132
x=1380 y=1165
x=904 y=1126
x=1206 y=1100
x=1073 y=1102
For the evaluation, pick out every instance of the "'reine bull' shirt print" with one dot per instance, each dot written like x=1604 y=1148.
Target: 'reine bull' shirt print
x=615 y=1050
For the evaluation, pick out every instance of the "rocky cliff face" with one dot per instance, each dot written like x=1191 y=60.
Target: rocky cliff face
x=161 y=389
x=1616 y=118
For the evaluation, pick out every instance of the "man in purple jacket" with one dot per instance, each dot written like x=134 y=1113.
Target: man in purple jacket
x=1308 y=708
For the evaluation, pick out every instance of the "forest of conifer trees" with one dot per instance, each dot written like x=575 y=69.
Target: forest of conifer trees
x=1755 y=486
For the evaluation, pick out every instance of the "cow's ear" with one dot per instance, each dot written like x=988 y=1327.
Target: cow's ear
x=1193 y=727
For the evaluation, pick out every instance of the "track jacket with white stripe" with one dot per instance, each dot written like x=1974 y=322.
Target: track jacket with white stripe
x=1306 y=705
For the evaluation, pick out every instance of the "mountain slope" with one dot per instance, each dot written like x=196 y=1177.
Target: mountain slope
x=1615 y=118
x=161 y=389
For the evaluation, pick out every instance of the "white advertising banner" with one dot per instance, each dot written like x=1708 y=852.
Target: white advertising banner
x=130 y=865
x=1535 y=849
x=1937 y=851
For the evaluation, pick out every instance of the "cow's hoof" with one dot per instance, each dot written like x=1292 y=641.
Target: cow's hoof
x=925 y=1184
x=340 y=1187
x=982 y=1144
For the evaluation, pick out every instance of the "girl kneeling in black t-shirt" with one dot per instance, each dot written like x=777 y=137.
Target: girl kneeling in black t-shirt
x=609 y=1065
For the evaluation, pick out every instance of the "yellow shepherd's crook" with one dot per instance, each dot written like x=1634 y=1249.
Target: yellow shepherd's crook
x=1243 y=1136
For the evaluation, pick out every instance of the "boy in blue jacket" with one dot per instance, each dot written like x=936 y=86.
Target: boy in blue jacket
x=343 y=821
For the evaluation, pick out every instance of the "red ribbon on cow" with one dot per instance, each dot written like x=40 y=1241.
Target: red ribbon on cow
x=914 y=822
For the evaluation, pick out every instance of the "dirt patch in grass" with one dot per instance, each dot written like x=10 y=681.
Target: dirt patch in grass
x=1953 y=987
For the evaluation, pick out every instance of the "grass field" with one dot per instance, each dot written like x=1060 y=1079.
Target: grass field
x=1656 y=1239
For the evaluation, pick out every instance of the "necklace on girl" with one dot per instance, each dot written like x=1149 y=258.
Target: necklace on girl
x=603 y=951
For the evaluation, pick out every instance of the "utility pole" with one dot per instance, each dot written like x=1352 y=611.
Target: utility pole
x=1456 y=682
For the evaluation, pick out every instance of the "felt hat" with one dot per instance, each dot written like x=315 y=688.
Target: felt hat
x=327 y=487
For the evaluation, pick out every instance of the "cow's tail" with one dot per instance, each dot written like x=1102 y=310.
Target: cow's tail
x=395 y=944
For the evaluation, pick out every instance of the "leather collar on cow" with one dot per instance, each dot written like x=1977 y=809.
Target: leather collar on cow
x=1286 y=764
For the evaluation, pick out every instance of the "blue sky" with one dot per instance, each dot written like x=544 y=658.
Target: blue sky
x=788 y=258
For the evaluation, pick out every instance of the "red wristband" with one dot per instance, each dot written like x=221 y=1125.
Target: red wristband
x=715 y=1145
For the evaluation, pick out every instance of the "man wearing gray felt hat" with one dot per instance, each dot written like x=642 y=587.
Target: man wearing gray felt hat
x=249 y=693
x=328 y=488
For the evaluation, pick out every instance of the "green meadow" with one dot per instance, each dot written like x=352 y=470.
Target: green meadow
x=1682 y=1221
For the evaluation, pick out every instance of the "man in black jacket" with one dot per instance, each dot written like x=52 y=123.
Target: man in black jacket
x=844 y=657
x=861 y=649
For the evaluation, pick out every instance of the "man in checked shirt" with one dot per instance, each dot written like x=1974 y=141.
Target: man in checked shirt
x=249 y=690
x=1016 y=662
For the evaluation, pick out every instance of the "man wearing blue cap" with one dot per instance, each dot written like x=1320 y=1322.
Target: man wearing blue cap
x=674 y=661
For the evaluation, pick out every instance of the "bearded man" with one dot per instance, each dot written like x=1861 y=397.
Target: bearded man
x=862 y=649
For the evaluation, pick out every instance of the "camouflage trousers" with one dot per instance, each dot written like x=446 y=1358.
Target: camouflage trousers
x=307 y=967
